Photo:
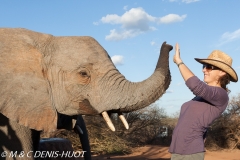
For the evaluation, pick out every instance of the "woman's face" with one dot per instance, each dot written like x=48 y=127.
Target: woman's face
x=212 y=74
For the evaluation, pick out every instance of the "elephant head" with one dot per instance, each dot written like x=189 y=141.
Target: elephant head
x=41 y=75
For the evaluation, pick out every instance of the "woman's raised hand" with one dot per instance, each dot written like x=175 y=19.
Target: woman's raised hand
x=176 y=57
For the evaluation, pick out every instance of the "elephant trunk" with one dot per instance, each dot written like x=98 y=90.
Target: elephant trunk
x=129 y=96
x=151 y=89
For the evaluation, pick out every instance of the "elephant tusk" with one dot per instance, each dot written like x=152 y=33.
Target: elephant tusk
x=124 y=121
x=108 y=120
x=79 y=129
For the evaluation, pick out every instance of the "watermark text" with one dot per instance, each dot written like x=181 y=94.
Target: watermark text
x=43 y=154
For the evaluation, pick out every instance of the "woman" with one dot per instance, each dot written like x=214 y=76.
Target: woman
x=211 y=100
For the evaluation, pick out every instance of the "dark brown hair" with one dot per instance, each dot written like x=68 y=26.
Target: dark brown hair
x=224 y=81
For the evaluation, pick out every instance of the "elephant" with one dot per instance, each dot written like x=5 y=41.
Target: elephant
x=42 y=75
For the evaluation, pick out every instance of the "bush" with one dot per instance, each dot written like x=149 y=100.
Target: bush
x=225 y=131
x=143 y=129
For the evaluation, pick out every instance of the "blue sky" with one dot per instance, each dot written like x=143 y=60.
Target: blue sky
x=132 y=32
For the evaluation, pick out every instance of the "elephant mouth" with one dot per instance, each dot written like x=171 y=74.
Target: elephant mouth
x=86 y=108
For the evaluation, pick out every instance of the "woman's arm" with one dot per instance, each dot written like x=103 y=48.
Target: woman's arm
x=184 y=70
x=214 y=95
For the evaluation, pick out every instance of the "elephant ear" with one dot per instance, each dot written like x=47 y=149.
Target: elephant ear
x=23 y=88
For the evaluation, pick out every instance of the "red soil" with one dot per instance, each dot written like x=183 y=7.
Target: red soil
x=156 y=152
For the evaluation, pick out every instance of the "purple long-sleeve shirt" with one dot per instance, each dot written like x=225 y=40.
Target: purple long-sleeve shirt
x=196 y=115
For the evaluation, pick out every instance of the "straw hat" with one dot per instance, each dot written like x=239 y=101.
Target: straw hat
x=221 y=60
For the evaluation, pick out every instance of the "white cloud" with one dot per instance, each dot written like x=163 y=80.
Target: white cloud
x=229 y=36
x=136 y=21
x=171 y=18
x=152 y=43
x=136 y=18
x=112 y=19
x=189 y=1
x=117 y=59
x=120 y=35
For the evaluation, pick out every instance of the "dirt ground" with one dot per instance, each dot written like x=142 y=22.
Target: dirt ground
x=156 y=152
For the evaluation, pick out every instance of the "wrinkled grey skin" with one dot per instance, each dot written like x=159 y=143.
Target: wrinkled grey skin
x=41 y=75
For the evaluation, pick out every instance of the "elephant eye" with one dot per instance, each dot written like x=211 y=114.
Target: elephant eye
x=83 y=73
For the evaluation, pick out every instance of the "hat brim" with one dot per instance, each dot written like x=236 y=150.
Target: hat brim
x=223 y=66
